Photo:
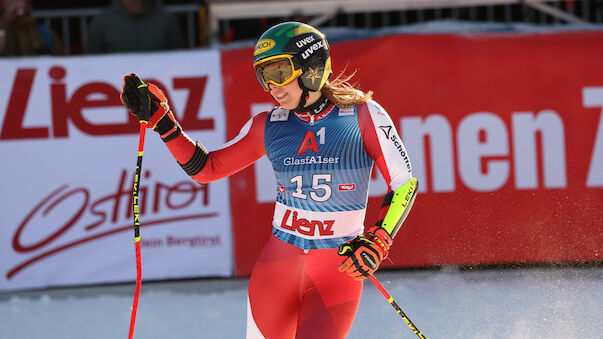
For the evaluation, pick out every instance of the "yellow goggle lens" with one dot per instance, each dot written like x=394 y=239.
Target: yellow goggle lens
x=278 y=71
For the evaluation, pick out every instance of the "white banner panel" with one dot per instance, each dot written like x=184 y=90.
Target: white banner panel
x=68 y=150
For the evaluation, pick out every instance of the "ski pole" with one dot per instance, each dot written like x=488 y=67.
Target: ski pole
x=396 y=307
x=136 y=210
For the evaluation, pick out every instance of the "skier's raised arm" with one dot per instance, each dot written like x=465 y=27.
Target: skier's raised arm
x=148 y=103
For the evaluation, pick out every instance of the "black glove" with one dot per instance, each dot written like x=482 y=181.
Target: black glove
x=146 y=101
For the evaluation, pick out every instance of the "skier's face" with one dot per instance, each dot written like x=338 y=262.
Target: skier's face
x=288 y=95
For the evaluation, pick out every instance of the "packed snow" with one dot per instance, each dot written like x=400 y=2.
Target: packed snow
x=448 y=303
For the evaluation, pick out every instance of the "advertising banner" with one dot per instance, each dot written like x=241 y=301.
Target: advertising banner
x=69 y=149
x=504 y=133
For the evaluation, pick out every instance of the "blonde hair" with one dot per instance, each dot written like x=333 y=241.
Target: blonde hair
x=341 y=92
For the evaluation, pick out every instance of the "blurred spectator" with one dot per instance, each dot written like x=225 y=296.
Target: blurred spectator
x=133 y=26
x=20 y=35
x=247 y=29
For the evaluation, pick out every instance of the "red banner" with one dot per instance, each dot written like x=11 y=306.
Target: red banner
x=504 y=132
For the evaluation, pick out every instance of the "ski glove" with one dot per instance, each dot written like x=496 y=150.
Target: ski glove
x=144 y=100
x=364 y=253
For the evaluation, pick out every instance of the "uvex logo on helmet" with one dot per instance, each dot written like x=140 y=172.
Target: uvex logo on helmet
x=263 y=46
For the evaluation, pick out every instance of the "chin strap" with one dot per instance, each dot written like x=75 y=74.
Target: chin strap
x=305 y=95
x=320 y=105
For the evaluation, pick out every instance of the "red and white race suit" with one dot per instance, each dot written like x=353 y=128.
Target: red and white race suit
x=322 y=164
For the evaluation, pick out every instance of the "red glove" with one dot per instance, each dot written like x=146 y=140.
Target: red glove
x=364 y=253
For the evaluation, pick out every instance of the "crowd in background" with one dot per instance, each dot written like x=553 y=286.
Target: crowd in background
x=21 y=35
x=123 y=26
x=153 y=25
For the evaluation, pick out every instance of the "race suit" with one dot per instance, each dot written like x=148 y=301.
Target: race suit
x=323 y=165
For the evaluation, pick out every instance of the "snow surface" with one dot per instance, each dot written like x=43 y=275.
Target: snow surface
x=512 y=303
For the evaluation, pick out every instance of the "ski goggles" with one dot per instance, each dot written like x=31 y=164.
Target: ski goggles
x=278 y=70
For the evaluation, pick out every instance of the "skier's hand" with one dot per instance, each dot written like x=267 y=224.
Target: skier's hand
x=364 y=253
x=146 y=101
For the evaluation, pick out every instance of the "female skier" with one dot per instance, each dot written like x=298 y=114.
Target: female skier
x=322 y=140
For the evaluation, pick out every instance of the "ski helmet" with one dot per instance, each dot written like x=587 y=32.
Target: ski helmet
x=289 y=51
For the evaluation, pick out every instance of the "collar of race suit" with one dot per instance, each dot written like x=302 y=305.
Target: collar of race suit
x=315 y=111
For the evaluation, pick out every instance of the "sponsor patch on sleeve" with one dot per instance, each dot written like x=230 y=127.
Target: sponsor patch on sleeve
x=279 y=114
x=347 y=110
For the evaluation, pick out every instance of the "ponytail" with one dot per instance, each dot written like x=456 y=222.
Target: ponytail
x=341 y=92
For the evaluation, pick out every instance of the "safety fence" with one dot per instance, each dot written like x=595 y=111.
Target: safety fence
x=218 y=22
